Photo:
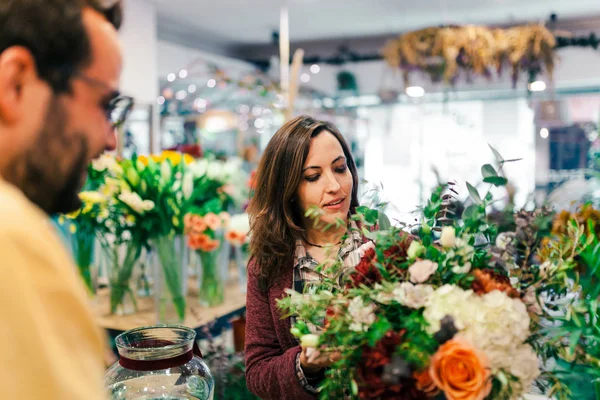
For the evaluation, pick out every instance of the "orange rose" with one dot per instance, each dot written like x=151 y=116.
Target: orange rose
x=460 y=371
x=211 y=245
x=187 y=222
x=198 y=224
x=213 y=221
x=425 y=383
x=197 y=241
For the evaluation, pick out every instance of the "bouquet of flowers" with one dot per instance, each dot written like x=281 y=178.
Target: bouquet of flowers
x=85 y=224
x=452 y=307
x=205 y=224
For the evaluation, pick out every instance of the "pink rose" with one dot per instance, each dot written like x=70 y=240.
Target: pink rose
x=421 y=270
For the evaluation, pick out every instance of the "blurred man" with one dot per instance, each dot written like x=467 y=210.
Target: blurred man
x=60 y=62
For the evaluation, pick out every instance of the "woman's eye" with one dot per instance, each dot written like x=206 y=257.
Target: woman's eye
x=341 y=169
x=311 y=178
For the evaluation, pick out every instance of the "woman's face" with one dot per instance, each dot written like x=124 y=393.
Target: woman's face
x=326 y=180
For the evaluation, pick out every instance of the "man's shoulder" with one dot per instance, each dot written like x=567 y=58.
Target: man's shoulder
x=17 y=213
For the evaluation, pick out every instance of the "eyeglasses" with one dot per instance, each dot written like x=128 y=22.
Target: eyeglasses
x=117 y=109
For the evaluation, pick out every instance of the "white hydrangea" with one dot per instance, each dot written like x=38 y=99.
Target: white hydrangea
x=498 y=321
x=449 y=300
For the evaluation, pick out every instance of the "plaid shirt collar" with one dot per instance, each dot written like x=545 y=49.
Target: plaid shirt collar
x=305 y=265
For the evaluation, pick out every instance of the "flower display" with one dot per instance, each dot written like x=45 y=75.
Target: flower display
x=457 y=309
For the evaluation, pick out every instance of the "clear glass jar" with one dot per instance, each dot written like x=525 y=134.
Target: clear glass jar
x=159 y=362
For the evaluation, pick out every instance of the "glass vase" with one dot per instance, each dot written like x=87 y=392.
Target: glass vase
x=210 y=278
x=143 y=279
x=160 y=362
x=241 y=259
x=123 y=258
x=83 y=244
x=170 y=279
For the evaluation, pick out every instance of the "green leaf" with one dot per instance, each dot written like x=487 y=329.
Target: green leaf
x=496 y=180
x=378 y=330
x=474 y=194
x=496 y=154
x=384 y=222
x=488 y=171
x=471 y=212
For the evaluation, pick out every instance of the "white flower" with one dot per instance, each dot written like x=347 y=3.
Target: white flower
x=362 y=315
x=188 y=186
x=107 y=162
x=198 y=168
x=448 y=237
x=215 y=170
x=136 y=203
x=165 y=172
x=458 y=269
x=421 y=270
x=503 y=240
x=240 y=223
x=449 y=300
x=413 y=296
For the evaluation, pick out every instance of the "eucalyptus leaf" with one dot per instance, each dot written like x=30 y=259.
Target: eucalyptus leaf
x=471 y=212
x=496 y=154
x=474 y=194
x=496 y=180
x=488 y=171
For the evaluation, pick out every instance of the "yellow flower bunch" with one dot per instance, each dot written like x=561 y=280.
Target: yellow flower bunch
x=173 y=156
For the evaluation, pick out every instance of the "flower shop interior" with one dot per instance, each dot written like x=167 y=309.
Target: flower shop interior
x=425 y=93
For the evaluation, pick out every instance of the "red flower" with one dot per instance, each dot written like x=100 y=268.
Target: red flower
x=370 y=370
x=488 y=280
x=398 y=253
x=366 y=272
x=331 y=313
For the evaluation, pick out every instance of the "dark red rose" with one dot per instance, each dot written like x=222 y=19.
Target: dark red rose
x=366 y=272
x=371 y=369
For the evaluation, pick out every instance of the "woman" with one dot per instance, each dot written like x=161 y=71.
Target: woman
x=306 y=164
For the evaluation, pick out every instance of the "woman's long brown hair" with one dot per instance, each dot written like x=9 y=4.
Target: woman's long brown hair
x=275 y=216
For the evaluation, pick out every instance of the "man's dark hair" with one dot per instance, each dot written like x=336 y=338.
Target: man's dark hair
x=53 y=31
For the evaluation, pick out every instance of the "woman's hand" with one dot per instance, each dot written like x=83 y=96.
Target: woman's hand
x=314 y=360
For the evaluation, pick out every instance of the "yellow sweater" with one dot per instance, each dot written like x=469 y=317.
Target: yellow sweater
x=50 y=347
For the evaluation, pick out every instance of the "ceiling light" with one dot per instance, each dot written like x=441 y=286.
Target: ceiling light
x=537 y=86
x=544 y=133
x=315 y=69
x=415 y=91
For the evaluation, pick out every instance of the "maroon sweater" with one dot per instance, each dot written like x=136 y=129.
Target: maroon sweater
x=271 y=350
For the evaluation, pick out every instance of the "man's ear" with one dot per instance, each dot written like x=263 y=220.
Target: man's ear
x=17 y=71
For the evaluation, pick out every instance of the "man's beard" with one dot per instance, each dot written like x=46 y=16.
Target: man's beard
x=39 y=171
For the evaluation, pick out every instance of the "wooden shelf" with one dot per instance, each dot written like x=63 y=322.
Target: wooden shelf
x=196 y=316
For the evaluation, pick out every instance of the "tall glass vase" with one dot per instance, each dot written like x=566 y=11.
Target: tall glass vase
x=83 y=244
x=241 y=259
x=170 y=279
x=123 y=258
x=143 y=280
x=210 y=278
